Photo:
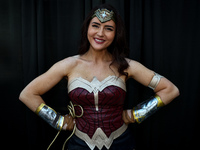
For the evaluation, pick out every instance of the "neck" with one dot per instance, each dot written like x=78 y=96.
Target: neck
x=98 y=56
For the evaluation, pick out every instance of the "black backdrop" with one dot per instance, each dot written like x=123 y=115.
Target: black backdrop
x=164 y=35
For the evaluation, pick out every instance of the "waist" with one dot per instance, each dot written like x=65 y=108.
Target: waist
x=108 y=120
x=99 y=138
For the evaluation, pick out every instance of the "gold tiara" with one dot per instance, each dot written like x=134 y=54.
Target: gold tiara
x=104 y=15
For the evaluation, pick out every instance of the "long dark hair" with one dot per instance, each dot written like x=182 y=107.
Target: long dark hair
x=118 y=48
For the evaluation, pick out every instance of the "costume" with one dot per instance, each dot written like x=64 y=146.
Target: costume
x=50 y=116
x=99 y=123
x=102 y=103
x=150 y=106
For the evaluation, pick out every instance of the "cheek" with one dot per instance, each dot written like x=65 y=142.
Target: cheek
x=90 y=33
x=111 y=36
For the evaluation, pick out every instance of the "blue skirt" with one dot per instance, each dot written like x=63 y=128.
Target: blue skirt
x=125 y=141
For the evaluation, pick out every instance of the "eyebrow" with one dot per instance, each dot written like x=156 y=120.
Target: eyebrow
x=100 y=24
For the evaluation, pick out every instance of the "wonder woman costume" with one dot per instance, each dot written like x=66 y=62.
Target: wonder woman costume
x=102 y=103
x=99 y=121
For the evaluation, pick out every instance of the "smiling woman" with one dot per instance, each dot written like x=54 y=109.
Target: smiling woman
x=101 y=35
x=115 y=25
x=97 y=84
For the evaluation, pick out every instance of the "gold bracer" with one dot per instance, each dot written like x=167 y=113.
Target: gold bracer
x=50 y=116
x=147 y=108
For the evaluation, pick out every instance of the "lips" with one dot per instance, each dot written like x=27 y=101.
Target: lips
x=99 y=41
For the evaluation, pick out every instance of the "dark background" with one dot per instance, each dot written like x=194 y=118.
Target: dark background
x=164 y=35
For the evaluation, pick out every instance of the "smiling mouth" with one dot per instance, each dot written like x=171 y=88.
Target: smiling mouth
x=99 y=41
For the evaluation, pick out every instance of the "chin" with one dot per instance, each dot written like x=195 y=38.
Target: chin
x=98 y=48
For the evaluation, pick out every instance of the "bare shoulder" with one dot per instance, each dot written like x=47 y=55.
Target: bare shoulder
x=139 y=72
x=68 y=64
x=132 y=62
x=135 y=67
x=69 y=61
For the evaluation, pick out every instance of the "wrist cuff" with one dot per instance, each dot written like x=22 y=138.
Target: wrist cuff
x=50 y=116
x=147 y=108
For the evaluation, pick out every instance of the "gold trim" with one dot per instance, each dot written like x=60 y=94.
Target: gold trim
x=136 y=118
x=39 y=108
x=160 y=102
x=104 y=15
x=60 y=122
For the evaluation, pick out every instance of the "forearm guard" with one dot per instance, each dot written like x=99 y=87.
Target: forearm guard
x=147 y=108
x=50 y=116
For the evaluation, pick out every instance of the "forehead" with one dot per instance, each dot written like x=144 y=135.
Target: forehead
x=110 y=22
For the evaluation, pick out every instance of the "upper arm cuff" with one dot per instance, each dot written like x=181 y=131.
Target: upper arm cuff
x=155 y=80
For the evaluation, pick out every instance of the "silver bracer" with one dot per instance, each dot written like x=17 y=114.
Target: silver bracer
x=147 y=108
x=50 y=116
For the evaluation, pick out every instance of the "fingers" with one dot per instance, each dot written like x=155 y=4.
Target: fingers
x=128 y=116
x=68 y=123
x=124 y=117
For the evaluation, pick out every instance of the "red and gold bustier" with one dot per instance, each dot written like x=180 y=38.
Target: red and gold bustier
x=102 y=103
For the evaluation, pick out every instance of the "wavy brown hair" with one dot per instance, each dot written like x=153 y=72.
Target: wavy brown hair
x=118 y=48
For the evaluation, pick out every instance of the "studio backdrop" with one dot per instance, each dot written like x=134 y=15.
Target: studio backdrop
x=163 y=35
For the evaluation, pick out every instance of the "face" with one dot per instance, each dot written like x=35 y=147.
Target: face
x=101 y=35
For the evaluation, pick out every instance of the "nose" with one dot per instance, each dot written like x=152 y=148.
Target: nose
x=100 y=32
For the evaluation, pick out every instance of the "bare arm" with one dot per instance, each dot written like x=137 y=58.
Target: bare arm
x=31 y=94
x=166 y=90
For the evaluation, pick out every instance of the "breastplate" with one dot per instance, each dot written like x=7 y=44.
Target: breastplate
x=102 y=103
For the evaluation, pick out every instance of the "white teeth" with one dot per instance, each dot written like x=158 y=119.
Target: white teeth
x=99 y=40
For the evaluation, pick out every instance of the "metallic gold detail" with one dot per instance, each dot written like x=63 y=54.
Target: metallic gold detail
x=99 y=139
x=155 y=80
x=49 y=115
x=160 y=102
x=60 y=122
x=72 y=110
x=39 y=108
x=136 y=116
x=73 y=114
x=147 y=108
x=104 y=15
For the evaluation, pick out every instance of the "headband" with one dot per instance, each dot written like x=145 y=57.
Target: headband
x=104 y=15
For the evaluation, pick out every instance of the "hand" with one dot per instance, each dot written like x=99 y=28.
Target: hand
x=68 y=123
x=128 y=117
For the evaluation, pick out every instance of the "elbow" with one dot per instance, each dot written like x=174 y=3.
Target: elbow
x=21 y=96
x=169 y=93
x=176 y=92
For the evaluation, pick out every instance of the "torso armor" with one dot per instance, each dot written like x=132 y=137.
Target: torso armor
x=102 y=103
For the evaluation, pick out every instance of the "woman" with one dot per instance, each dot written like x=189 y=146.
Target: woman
x=97 y=82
